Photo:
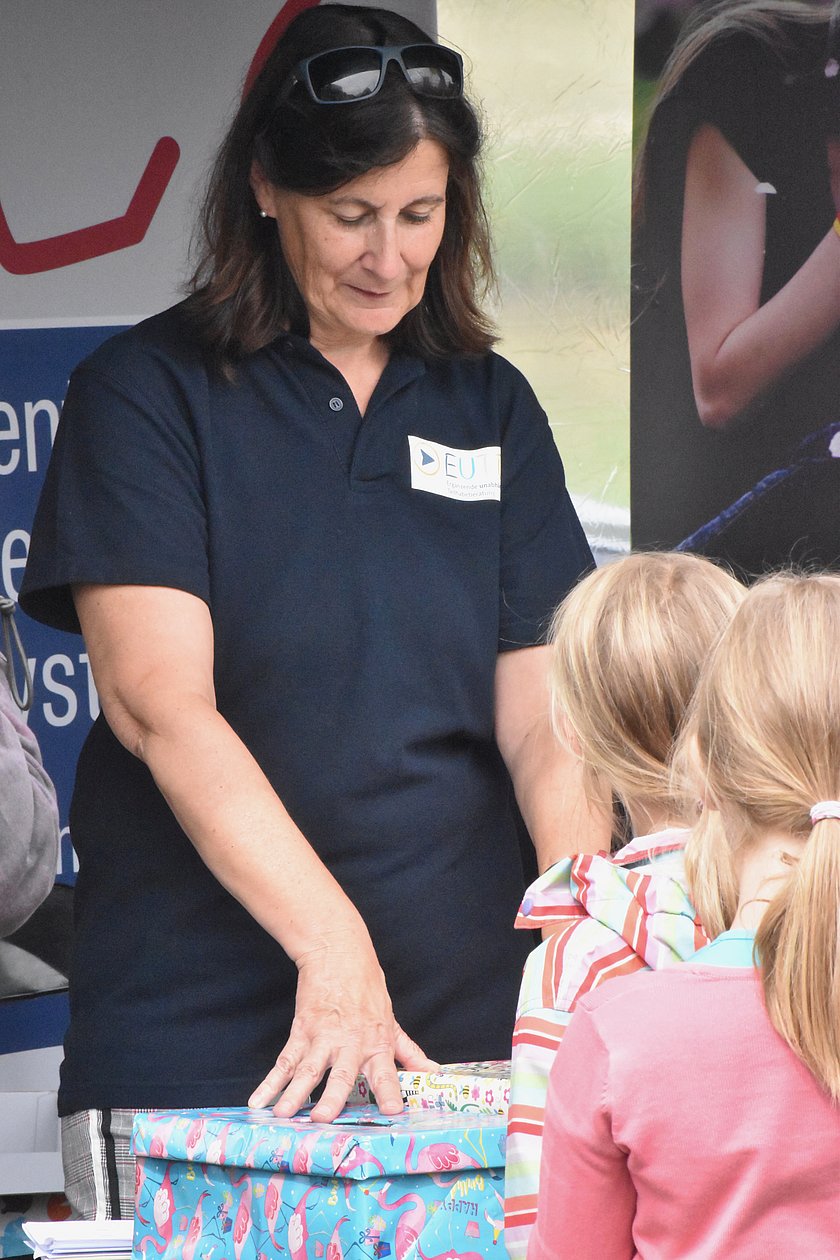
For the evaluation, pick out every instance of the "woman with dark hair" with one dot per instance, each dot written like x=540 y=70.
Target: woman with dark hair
x=312 y=530
x=246 y=289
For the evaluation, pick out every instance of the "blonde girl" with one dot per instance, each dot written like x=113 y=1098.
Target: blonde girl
x=703 y=1118
x=627 y=646
x=628 y=643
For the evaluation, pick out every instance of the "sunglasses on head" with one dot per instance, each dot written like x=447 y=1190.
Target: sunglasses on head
x=344 y=75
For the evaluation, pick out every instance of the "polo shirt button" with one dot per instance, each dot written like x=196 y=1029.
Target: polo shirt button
x=336 y=404
x=527 y=905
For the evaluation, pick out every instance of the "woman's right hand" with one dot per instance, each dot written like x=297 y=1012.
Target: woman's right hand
x=152 y=652
x=344 y=1025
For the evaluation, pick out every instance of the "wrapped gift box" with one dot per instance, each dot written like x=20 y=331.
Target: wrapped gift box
x=243 y=1184
x=482 y=1087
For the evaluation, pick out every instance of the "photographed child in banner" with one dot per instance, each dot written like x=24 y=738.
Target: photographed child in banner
x=627 y=646
x=694 y=1111
x=735 y=336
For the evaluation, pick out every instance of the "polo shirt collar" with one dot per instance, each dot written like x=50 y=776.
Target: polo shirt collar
x=400 y=370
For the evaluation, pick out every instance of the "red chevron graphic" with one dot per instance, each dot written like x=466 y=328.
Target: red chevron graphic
x=29 y=257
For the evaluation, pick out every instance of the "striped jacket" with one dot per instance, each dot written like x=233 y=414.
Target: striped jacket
x=608 y=916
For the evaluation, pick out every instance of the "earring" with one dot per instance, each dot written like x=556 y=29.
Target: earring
x=263 y=214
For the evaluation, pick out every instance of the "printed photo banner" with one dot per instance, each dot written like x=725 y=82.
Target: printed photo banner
x=735 y=331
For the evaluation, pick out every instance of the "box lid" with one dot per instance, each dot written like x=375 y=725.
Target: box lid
x=360 y=1143
x=481 y=1085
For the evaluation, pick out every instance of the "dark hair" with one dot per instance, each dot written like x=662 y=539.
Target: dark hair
x=243 y=293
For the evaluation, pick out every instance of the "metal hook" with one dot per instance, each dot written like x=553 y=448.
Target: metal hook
x=13 y=646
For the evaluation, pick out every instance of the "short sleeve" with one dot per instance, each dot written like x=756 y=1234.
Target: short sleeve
x=729 y=86
x=544 y=550
x=122 y=500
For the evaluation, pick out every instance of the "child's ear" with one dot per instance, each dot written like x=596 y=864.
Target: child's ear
x=705 y=799
x=706 y=802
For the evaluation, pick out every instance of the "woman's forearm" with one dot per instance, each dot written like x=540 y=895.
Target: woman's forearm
x=764 y=347
x=547 y=777
x=151 y=651
x=739 y=348
x=241 y=829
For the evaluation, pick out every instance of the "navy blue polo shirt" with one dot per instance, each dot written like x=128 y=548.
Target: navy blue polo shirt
x=362 y=576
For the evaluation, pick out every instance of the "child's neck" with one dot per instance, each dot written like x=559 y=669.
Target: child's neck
x=765 y=863
x=647 y=817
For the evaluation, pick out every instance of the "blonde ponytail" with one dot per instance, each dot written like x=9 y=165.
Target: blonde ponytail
x=797 y=943
x=763 y=735
x=711 y=873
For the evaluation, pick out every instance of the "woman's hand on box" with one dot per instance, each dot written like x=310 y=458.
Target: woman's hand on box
x=344 y=1025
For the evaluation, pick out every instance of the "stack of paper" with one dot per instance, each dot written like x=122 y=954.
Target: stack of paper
x=76 y=1240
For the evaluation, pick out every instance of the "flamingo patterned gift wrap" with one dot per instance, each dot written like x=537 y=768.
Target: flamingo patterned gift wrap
x=482 y=1086
x=237 y=1184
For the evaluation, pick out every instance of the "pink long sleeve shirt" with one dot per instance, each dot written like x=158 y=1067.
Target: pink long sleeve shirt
x=680 y=1126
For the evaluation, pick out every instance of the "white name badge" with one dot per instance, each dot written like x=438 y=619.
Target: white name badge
x=444 y=470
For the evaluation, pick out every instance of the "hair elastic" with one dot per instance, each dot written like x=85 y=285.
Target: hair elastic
x=824 y=809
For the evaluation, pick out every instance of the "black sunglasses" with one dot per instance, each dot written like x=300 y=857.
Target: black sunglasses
x=344 y=75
